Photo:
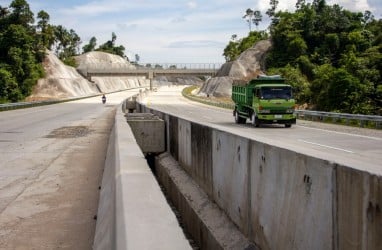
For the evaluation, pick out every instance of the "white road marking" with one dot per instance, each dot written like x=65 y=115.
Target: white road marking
x=326 y=146
x=342 y=133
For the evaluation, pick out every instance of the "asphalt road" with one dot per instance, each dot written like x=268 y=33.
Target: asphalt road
x=51 y=161
x=355 y=147
x=51 y=164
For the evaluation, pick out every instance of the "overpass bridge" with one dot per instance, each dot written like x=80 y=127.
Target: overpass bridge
x=159 y=69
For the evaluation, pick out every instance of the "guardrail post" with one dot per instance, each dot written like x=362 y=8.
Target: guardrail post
x=151 y=76
x=362 y=123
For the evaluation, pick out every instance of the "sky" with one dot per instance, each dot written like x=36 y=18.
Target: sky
x=168 y=31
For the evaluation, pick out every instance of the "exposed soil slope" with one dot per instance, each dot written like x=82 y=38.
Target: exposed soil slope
x=249 y=65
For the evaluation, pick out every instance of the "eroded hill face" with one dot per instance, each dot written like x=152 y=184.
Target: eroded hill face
x=62 y=81
x=248 y=66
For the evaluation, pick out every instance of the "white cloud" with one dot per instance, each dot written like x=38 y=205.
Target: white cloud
x=353 y=5
x=192 y=4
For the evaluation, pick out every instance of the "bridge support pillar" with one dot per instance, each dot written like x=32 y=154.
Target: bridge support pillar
x=151 y=77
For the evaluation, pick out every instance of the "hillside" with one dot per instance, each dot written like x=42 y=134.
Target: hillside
x=62 y=81
x=248 y=65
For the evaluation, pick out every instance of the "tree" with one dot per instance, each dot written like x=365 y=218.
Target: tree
x=110 y=47
x=90 y=46
x=367 y=18
x=231 y=51
x=236 y=47
x=298 y=81
x=252 y=16
x=272 y=9
x=257 y=18
x=300 y=4
x=67 y=44
x=8 y=87
x=319 y=5
x=46 y=36
x=249 y=13
x=21 y=14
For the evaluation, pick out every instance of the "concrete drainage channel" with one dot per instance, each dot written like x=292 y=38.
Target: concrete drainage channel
x=204 y=224
x=133 y=211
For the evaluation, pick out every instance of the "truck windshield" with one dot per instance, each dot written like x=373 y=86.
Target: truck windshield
x=276 y=93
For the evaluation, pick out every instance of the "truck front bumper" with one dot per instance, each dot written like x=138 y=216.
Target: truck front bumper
x=280 y=119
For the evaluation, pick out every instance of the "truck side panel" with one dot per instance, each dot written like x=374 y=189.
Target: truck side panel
x=242 y=95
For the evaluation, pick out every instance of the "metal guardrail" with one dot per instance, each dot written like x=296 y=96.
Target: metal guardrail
x=361 y=119
x=20 y=105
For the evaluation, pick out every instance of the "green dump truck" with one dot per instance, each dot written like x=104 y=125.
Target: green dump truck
x=264 y=100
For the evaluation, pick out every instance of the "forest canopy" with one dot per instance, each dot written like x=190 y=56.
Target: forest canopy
x=331 y=56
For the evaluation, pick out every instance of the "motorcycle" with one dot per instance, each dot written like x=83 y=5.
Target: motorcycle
x=103 y=99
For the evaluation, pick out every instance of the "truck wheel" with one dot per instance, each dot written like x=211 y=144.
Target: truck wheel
x=288 y=125
x=254 y=120
x=238 y=119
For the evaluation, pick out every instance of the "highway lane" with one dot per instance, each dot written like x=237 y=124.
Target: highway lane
x=51 y=163
x=356 y=147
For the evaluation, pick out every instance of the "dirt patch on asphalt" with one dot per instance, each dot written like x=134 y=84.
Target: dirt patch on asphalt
x=69 y=132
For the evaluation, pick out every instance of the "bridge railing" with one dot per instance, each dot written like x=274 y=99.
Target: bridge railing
x=213 y=66
x=160 y=66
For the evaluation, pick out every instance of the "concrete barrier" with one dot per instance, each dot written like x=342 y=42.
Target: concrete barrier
x=133 y=212
x=278 y=198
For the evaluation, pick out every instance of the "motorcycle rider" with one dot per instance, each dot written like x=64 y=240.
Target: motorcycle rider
x=103 y=98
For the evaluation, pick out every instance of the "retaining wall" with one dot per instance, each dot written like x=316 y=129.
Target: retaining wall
x=278 y=198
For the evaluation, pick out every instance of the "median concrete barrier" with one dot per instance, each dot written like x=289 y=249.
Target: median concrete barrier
x=133 y=212
x=278 y=198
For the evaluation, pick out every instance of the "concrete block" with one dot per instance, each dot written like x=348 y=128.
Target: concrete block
x=230 y=176
x=184 y=145
x=149 y=131
x=291 y=199
x=359 y=209
x=201 y=152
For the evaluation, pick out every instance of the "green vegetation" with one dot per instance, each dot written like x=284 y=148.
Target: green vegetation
x=108 y=47
x=331 y=56
x=23 y=45
x=20 y=54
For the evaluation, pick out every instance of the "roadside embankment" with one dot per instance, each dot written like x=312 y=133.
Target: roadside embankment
x=133 y=212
